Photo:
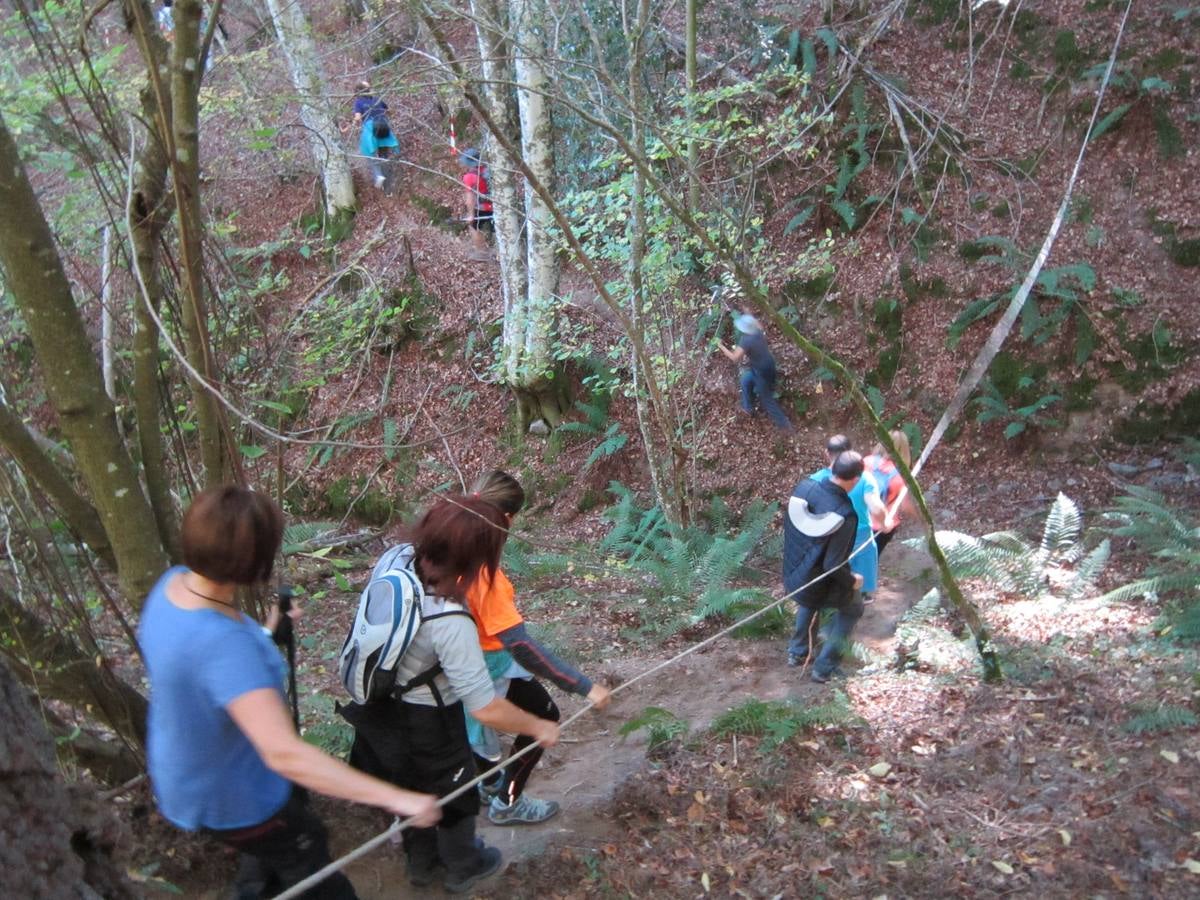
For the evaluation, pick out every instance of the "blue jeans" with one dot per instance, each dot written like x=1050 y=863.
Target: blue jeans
x=837 y=637
x=763 y=386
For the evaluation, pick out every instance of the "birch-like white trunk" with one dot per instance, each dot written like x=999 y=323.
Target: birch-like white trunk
x=504 y=180
x=106 y=317
x=528 y=18
x=295 y=39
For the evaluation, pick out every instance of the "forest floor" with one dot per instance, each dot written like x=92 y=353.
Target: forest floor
x=918 y=780
x=911 y=778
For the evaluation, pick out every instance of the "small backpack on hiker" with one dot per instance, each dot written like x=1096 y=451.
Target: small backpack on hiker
x=391 y=609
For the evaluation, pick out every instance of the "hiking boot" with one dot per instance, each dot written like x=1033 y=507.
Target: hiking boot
x=489 y=863
x=795 y=661
x=525 y=810
x=422 y=873
x=826 y=677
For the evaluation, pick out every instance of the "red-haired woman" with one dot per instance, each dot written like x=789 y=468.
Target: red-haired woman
x=418 y=739
x=223 y=755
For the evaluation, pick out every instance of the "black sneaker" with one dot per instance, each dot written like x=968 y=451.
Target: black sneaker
x=422 y=874
x=488 y=863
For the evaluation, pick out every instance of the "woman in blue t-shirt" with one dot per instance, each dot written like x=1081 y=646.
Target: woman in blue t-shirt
x=223 y=756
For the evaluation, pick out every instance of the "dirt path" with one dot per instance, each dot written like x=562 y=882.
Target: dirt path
x=592 y=761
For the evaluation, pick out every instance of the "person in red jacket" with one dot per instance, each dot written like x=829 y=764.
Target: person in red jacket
x=477 y=202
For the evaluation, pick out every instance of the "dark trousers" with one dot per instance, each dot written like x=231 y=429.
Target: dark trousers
x=422 y=748
x=527 y=694
x=283 y=851
x=837 y=638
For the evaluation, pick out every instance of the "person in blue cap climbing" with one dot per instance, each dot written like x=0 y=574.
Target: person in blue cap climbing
x=757 y=368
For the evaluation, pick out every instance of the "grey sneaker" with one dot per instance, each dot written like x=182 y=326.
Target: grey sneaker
x=795 y=661
x=525 y=810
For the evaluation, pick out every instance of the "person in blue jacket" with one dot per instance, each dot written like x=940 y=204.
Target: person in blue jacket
x=376 y=141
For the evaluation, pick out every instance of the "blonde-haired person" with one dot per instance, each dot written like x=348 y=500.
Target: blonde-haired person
x=883 y=468
x=514 y=658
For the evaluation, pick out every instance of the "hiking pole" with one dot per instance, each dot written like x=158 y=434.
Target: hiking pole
x=285 y=634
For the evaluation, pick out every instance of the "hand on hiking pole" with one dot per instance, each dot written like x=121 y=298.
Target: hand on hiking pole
x=283 y=613
x=599 y=696
x=422 y=808
x=545 y=732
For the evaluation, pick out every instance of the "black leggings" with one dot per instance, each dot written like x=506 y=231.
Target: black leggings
x=283 y=851
x=529 y=695
x=883 y=538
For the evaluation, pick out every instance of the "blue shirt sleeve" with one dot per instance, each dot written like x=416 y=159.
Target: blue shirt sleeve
x=237 y=664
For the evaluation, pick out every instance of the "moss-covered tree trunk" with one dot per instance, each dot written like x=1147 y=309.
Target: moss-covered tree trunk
x=77 y=514
x=659 y=433
x=148 y=214
x=55 y=840
x=50 y=661
x=186 y=73
x=38 y=284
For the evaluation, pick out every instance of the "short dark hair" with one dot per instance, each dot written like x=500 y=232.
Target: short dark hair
x=231 y=534
x=848 y=465
x=839 y=443
x=464 y=534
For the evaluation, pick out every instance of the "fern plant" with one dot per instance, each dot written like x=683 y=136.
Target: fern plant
x=1159 y=719
x=693 y=568
x=662 y=726
x=1060 y=565
x=1143 y=516
x=778 y=721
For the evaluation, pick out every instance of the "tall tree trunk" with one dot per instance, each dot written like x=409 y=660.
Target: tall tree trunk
x=39 y=286
x=690 y=67
x=55 y=840
x=295 y=39
x=78 y=515
x=185 y=130
x=148 y=213
x=527 y=362
x=657 y=436
x=508 y=206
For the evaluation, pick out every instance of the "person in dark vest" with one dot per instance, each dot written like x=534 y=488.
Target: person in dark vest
x=758 y=369
x=818 y=538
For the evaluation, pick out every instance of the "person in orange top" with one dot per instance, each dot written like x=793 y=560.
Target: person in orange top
x=514 y=658
x=883 y=468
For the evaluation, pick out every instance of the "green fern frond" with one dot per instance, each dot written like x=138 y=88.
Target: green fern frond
x=778 y=721
x=661 y=726
x=299 y=535
x=1089 y=569
x=1063 y=525
x=1164 y=717
x=1186 y=623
